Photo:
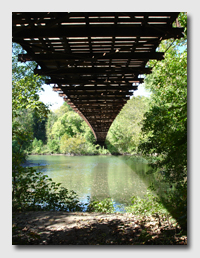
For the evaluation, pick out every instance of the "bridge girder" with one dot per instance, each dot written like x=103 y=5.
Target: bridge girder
x=95 y=60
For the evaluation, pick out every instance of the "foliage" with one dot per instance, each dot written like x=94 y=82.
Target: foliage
x=166 y=121
x=37 y=146
x=74 y=145
x=53 y=146
x=183 y=22
x=64 y=131
x=104 y=206
x=39 y=127
x=150 y=204
x=52 y=118
x=25 y=95
x=22 y=133
x=102 y=150
x=69 y=123
x=124 y=135
x=25 y=86
x=162 y=121
x=67 y=132
x=167 y=118
x=25 y=98
x=32 y=190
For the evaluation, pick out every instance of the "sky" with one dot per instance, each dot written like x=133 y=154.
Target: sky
x=48 y=96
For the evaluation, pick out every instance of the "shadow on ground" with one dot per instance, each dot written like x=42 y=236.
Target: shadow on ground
x=75 y=228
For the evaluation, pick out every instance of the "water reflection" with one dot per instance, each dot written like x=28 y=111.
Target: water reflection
x=124 y=182
x=99 y=180
x=96 y=176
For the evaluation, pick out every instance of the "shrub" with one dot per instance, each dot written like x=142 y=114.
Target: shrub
x=104 y=206
x=148 y=205
x=32 y=190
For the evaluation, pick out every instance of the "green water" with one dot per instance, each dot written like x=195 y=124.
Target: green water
x=117 y=177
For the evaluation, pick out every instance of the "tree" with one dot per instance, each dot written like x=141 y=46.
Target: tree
x=125 y=132
x=31 y=190
x=69 y=123
x=39 y=127
x=25 y=88
x=66 y=128
x=166 y=121
x=74 y=145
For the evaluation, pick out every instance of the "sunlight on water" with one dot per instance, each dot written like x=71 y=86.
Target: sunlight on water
x=115 y=177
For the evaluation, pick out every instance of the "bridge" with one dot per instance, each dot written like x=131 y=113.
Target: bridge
x=95 y=60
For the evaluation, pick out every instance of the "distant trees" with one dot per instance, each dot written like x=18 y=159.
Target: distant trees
x=38 y=130
x=124 y=135
x=67 y=132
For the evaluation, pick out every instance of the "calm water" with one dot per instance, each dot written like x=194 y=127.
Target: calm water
x=117 y=177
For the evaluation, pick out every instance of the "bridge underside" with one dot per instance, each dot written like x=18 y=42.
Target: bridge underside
x=94 y=60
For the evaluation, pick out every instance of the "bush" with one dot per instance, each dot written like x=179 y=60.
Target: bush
x=104 y=206
x=31 y=190
x=148 y=205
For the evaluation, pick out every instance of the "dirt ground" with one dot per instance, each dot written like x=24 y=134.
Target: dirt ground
x=77 y=228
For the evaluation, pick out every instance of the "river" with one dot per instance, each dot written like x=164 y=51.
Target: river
x=115 y=177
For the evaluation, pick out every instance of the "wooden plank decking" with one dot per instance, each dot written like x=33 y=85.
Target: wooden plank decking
x=95 y=60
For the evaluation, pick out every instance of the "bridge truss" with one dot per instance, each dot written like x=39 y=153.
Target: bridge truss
x=94 y=60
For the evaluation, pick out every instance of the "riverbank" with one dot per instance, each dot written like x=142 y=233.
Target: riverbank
x=77 y=154
x=27 y=163
x=78 y=228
